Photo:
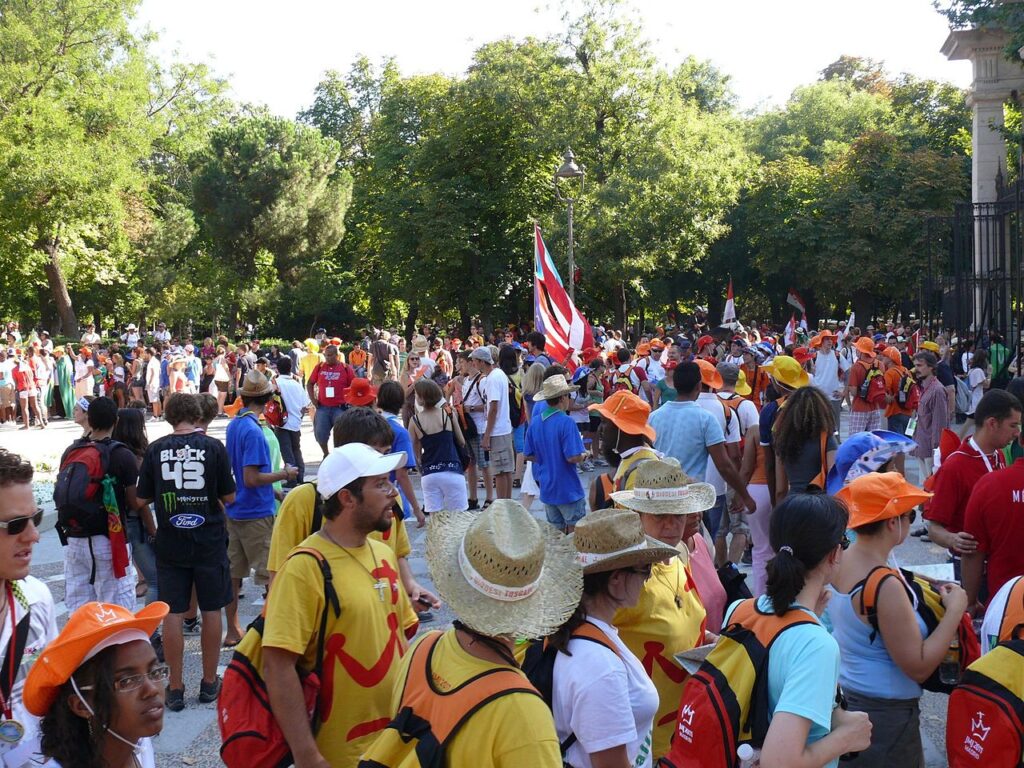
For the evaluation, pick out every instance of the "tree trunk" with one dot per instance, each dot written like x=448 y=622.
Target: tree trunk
x=47 y=316
x=58 y=286
x=410 y=320
x=620 y=307
x=863 y=307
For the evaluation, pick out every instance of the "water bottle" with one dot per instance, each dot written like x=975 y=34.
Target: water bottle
x=949 y=669
x=748 y=756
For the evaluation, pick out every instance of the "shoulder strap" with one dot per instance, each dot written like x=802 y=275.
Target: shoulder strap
x=589 y=631
x=20 y=640
x=605 y=487
x=819 y=480
x=765 y=626
x=318 y=510
x=870 y=586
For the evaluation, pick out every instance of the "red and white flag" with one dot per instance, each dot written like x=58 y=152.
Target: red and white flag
x=729 y=316
x=794 y=300
x=789 y=337
x=566 y=331
x=915 y=342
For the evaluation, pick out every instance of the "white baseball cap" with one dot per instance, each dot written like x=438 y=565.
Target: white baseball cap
x=350 y=462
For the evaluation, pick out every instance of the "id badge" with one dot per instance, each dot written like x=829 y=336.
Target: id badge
x=911 y=427
x=329 y=392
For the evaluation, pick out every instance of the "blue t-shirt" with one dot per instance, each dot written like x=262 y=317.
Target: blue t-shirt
x=165 y=377
x=552 y=439
x=247 y=447
x=685 y=431
x=767 y=421
x=803 y=673
x=402 y=442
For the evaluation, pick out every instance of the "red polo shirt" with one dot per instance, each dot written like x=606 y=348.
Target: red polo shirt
x=955 y=480
x=331 y=381
x=995 y=517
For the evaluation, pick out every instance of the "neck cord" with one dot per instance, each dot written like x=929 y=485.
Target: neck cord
x=675 y=592
x=335 y=542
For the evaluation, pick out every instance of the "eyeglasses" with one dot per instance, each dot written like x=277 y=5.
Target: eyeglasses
x=18 y=525
x=912 y=514
x=844 y=542
x=159 y=675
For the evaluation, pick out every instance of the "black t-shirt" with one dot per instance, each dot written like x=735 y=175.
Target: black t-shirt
x=124 y=468
x=944 y=374
x=186 y=475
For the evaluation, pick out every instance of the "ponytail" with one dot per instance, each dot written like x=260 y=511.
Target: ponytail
x=804 y=530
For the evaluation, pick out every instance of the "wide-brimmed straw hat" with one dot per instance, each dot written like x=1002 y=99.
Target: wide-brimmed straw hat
x=609 y=539
x=420 y=345
x=503 y=573
x=662 y=488
x=627 y=412
x=554 y=386
x=787 y=372
x=255 y=385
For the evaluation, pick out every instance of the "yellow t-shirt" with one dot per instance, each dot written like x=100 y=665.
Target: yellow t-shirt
x=643 y=454
x=364 y=645
x=307 y=363
x=513 y=731
x=295 y=519
x=657 y=628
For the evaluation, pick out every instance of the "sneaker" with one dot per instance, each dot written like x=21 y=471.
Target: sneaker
x=175 y=699
x=208 y=692
x=601 y=462
x=748 y=556
x=588 y=466
x=192 y=626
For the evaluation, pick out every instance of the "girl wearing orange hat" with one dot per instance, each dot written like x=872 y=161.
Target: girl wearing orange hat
x=881 y=669
x=99 y=689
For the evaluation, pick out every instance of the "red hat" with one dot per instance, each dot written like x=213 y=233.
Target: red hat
x=360 y=392
x=590 y=354
x=801 y=354
x=703 y=341
x=336 y=341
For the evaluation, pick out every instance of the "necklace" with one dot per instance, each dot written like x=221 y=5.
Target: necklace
x=675 y=592
x=378 y=584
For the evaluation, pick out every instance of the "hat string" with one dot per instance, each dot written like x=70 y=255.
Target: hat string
x=135 y=745
x=590 y=558
x=489 y=588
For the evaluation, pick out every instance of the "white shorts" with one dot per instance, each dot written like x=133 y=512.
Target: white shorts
x=444 y=491
x=529 y=485
x=25 y=394
x=78 y=567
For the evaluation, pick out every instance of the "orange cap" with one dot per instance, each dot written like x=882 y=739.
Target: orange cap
x=893 y=354
x=879 y=496
x=657 y=344
x=627 y=412
x=90 y=629
x=643 y=349
x=865 y=346
x=709 y=375
x=360 y=392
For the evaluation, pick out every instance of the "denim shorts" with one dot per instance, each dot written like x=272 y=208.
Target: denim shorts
x=519 y=438
x=566 y=515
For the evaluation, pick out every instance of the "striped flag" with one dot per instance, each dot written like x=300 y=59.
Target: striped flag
x=729 y=315
x=565 y=330
x=796 y=301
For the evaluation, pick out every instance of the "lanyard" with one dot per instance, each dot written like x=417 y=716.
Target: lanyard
x=988 y=464
x=7 y=704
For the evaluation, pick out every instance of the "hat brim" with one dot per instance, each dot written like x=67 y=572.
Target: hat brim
x=539 y=615
x=629 y=428
x=743 y=389
x=714 y=382
x=243 y=392
x=802 y=380
x=542 y=396
x=654 y=552
x=701 y=496
x=360 y=399
x=46 y=677
x=898 y=505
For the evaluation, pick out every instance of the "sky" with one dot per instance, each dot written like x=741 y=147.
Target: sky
x=274 y=52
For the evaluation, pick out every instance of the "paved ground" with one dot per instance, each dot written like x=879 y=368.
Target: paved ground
x=190 y=737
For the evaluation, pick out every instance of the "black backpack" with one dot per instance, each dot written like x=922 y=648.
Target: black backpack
x=78 y=490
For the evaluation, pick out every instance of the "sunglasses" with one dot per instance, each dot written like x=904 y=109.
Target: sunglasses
x=845 y=542
x=18 y=525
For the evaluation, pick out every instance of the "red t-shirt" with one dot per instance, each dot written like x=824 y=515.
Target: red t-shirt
x=331 y=381
x=995 y=517
x=858 y=372
x=955 y=480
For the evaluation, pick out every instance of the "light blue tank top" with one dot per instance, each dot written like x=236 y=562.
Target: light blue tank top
x=865 y=665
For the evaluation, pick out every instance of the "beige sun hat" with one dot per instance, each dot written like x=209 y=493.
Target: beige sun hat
x=609 y=539
x=662 y=488
x=419 y=345
x=553 y=387
x=255 y=384
x=503 y=573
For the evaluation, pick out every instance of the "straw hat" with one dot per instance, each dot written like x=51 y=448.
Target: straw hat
x=255 y=385
x=662 y=488
x=880 y=496
x=787 y=372
x=709 y=375
x=360 y=392
x=91 y=629
x=503 y=573
x=420 y=345
x=627 y=412
x=609 y=539
x=865 y=346
x=554 y=386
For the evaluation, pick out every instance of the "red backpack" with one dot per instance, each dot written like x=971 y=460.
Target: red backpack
x=872 y=389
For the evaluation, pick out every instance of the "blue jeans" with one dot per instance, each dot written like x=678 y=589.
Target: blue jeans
x=144 y=556
x=713 y=516
x=323 y=421
x=564 y=516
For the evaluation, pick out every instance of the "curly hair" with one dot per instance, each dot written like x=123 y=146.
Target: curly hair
x=803 y=418
x=68 y=738
x=14 y=470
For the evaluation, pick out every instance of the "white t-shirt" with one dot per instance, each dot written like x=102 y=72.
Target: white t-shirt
x=826 y=374
x=709 y=402
x=611 y=345
x=654 y=370
x=495 y=388
x=606 y=700
x=145 y=755
x=90 y=338
x=295 y=399
x=7 y=373
x=994 y=616
x=162 y=336
x=473 y=394
x=746 y=411
x=975 y=379
x=581 y=416
x=131 y=339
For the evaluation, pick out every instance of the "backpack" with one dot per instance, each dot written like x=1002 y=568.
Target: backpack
x=872 y=389
x=275 y=411
x=908 y=393
x=516 y=407
x=539 y=666
x=725 y=703
x=985 y=719
x=250 y=734
x=428 y=719
x=929 y=608
x=623 y=380
x=78 y=489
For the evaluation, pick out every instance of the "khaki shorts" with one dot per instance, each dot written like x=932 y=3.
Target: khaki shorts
x=7 y=397
x=249 y=546
x=732 y=522
x=503 y=455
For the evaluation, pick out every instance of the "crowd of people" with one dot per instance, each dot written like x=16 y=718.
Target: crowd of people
x=617 y=630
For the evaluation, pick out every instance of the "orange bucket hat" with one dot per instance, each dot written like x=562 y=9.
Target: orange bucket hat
x=822 y=335
x=865 y=346
x=643 y=349
x=893 y=354
x=360 y=392
x=880 y=496
x=709 y=375
x=627 y=412
x=92 y=628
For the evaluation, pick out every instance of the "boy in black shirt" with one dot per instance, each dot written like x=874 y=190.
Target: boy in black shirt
x=187 y=476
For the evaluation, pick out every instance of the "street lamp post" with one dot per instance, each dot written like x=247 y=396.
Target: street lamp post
x=569 y=170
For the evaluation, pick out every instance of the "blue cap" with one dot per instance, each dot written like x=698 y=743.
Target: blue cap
x=580 y=373
x=865 y=452
x=685 y=343
x=530 y=359
x=878 y=337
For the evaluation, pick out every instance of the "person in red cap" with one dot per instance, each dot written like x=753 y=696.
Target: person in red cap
x=706 y=349
x=99 y=689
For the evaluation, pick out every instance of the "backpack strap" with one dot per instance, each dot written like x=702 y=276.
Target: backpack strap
x=870 y=586
x=605 y=487
x=819 y=480
x=318 y=510
x=620 y=484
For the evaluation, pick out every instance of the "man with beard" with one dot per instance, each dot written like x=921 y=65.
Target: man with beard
x=365 y=643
